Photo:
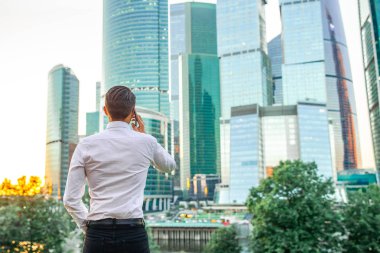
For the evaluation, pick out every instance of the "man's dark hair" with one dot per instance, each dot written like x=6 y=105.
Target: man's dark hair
x=120 y=102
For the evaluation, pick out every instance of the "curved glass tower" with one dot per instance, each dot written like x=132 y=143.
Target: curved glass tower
x=135 y=50
x=61 y=127
x=245 y=75
x=316 y=69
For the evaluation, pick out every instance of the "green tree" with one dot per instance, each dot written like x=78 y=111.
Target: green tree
x=153 y=246
x=293 y=211
x=362 y=220
x=33 y=223
x=223 y=240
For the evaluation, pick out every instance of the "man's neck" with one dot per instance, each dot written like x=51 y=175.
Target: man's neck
x=125 y=120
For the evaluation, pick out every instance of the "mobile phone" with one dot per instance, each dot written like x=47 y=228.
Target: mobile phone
x=134 y=118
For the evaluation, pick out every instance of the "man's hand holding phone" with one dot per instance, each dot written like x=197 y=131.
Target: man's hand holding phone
x=138 y=124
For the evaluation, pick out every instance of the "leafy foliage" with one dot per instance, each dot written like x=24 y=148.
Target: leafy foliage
x=362 y=220
x=153 y=246
x=223 y=240
x=293 y=211
x=33 y=223
x=23 y=188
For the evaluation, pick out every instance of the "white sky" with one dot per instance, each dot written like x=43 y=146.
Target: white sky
x=37 y=35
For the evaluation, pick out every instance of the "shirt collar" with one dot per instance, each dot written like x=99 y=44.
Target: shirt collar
x=118 y=124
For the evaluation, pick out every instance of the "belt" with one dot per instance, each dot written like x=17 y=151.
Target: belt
x=113 y=221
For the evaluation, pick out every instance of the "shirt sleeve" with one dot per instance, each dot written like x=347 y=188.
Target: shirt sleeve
x=162 y=160
x=75 y=187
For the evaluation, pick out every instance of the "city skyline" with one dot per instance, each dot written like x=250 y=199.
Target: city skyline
x=61 y=133
x=68 y=53
x=196 y=88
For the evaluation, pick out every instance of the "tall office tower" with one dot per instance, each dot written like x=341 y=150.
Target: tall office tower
x=195 y=88
x=275 y=55
x=158 y=191
x=369 y=13
x=135 y=50
x=62 y=126
x=316 y=68
x=92 y=118
x=246 y=152
x=244 y=65
x=135 y=54
x=261 y=137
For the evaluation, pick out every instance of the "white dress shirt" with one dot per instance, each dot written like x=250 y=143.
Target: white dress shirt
x=115 y=163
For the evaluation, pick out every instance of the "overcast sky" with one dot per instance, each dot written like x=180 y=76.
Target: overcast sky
x=37 y=35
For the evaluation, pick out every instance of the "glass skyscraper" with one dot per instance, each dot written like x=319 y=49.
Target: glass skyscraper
x=195 y=88
x=261 y=137
x=280 y=132
x=62 y=126
x=92 y=123
x=316 y=69
x=246 y=152
x=314 y=138
x=275 y=55
x=158 y=189
x=135 y=50
x=135 y=54
x=244 y=66
x=369 y=12
x=92 y=118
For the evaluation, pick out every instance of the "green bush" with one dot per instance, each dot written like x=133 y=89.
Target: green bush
x=223 y=240
x=33 y=223
x=362 y=220
x=294 y=211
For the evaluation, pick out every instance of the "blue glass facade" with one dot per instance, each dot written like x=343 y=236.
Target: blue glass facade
x=369 y=12
x=93 y=118
x=314 y=137
x=195 y=88
x=244 y=65
x=275 y=55
x=135 y=50
x=159 y=187
x=92 y=123
x=246 y=152
x=261 y=137
x=199 y=116
x=280 y=135
x=62 y=126
x=316 y=68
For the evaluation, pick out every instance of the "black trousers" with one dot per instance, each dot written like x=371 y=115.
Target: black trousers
x=116 y=239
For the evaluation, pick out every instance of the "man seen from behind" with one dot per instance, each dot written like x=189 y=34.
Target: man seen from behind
x=115 y=164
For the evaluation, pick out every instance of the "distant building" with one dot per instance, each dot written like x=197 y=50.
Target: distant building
x=92 y=123
x=261 y=137
x=275 y=55
x=158 y=191
x=245 y=75
x=247 y=163
x=369 y=12
x=355 y=179
x=62 y=126
x=316 y=68
x=135 y=50
x=93 y=118
x=135 y=54
x=202 y=186
x=195 y=88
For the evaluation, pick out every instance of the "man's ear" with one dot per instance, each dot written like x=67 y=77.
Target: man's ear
x=106 y=111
